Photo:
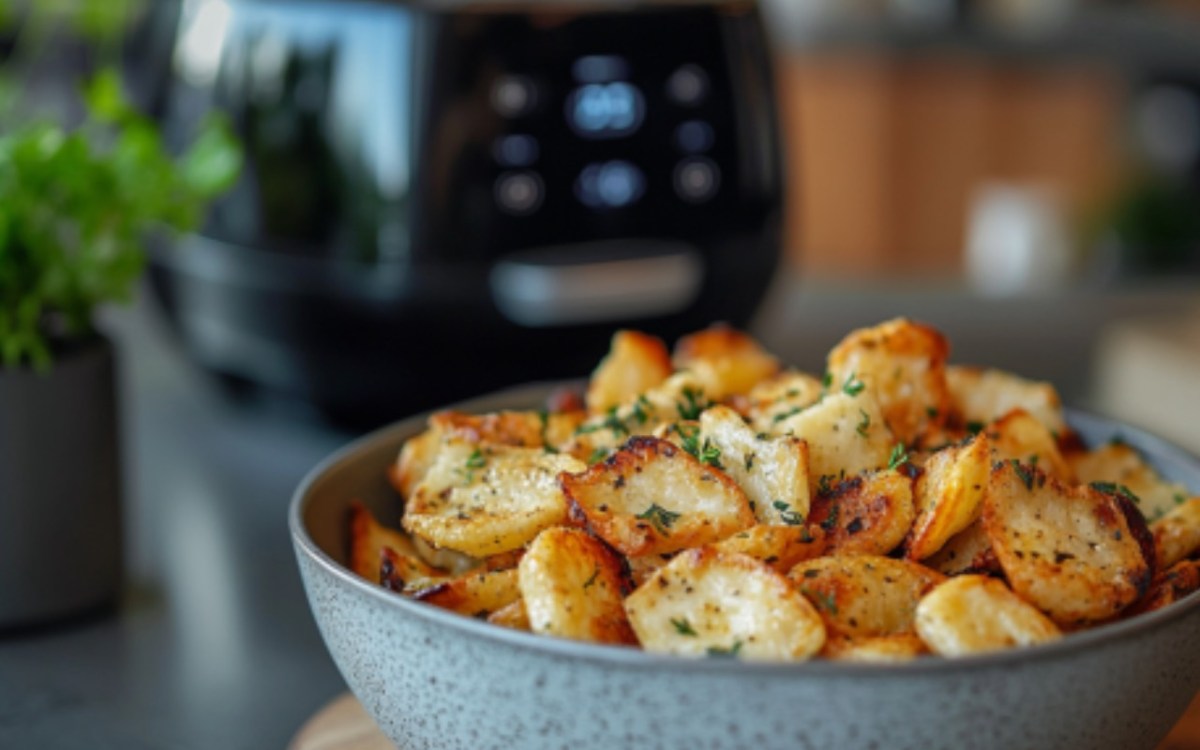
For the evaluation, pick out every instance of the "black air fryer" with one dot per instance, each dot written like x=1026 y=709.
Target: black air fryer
x=440 y=200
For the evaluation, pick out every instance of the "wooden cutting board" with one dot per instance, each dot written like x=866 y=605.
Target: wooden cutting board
x=344 y=725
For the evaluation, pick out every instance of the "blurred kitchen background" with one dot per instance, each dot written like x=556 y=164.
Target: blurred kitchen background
x=1023 y=174
x=438 y=201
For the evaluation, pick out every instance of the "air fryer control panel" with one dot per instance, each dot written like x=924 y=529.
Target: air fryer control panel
x=547 y=129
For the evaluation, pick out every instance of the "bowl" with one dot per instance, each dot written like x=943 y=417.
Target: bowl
x=434 y=679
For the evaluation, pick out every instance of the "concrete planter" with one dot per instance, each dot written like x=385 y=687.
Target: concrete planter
x=60 y=509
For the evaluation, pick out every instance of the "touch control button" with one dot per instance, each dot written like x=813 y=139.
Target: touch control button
x=694 y=137
x=515 y=150
x=513 y=95
x=697 y=179
x=688 y=86
x=519 y=193
x=613 y=184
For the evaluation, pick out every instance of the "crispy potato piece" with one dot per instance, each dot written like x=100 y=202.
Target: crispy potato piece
x=1077 y=554
x=529 y=429
x=781 y=547
x=864 y=596
x=475 y=594
x=454 y=563
x=880 y=649
x=635 y=363
x=948 y=495
x=368 y=539
x=772 y=471
x=416 y=456
x=737 y=360
x=968 y=551
x=572 y=587
x=1019 y=435
x=643 y=567
x=970 y=614
x=481 y=500
x=709 y=602
x=404 y=573
x=681 y=396
x=868 y=514
x=983 y=395
x=1121 y=464
x=778 y=397
x=845 y=435
x=903 y=364
x=512 y=615
x=1177 y=534
x=1170 y=586
x=652 y=497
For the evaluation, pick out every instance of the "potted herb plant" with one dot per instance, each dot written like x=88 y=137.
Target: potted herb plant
x=76 y=207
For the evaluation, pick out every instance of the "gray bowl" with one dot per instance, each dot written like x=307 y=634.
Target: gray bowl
x=433 y=679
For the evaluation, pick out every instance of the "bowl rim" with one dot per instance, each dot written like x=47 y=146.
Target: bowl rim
x=629 y=657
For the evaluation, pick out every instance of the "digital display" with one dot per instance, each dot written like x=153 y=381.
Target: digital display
x=605 y=110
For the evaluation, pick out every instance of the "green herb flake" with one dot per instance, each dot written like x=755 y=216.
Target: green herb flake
x=931 y=412
x=598 y=455
x=831 y=521
x=1024 y=472
x=786 y=414
x=642 y=409
x=826 y=380
x=786 y=514
x=693 y=404
x=749 y=462
x=588 y=583
x=659 y=517
x=1112 y=488
x=823 y=600
x=863 y=424
x=853 y=386
x=974 y=427
x=683 y=627
x=898 y=457
x=1180 y=499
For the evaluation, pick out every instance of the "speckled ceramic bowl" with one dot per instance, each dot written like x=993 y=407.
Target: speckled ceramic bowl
x=433 y=679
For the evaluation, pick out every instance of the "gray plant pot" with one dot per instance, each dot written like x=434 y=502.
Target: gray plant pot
x=60 y=509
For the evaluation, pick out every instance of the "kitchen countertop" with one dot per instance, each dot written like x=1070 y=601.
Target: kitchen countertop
x=213 y=645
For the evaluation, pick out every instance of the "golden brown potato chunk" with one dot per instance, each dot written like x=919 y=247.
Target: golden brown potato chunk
x=368 y=540
x=971 y=614
x=1177 y=534
x=781 y=547
x=868 y=514
x=845 y=435
x=652 y=497
x=1077 y=554
x=779 y=397
x=635 y=363
x=983 y=395
x=866 y=595
x=949 y=495
x=1120 y=464
x=903 y=364
x=711 y=603
x=482 y=500
x=572 y=587
x=1017 y=435
x=880 y=649
x=475 y=594
x=737 y=361
x=968 y=551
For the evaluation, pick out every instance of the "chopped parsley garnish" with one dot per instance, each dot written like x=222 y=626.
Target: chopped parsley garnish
x=785 y=414
x=590 y=581
x=786 y=514
x=831 y=521
x=823 y=486
x=611 y=421
x=597 y=456
x=692 y=405
x=827 y=380
x=853 y=386
x=732 y=651
x=823 y=600
x=931 y=412
x=659 y=517
x=974 y=427
x=1024 y=472
x=474 y=461
x=1111 y=488
x=899 y=456
x=706 y=453
x=749 y=462
x=641 y=409
x=683 y=627
x=1179 y=498
x=863 y=423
